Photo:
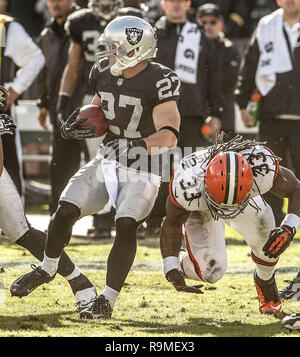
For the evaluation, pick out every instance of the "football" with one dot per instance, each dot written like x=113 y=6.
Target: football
x=95 y=116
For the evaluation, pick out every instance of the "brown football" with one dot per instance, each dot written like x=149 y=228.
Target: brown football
x=95 y=116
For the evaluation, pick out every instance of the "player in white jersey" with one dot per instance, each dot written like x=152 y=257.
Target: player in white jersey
x=14 y=224
x=225 y=183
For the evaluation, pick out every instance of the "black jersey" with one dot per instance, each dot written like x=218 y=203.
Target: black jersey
x=85 y=28
x=128 y=103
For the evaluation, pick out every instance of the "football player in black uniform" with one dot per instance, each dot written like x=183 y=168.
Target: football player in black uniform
x=139 y=99
x=84 y=28
x=16 y=227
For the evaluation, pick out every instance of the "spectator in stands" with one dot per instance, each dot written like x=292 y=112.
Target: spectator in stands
x=19 y=51
x=209 y=16
x=54 y=43
x=272 y=65
x=235 y=13
x=184 y=48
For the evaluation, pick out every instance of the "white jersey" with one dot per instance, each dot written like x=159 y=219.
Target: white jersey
x=187 y=187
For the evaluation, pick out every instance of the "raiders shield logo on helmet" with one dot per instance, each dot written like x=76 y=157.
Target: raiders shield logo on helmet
x=134 y=35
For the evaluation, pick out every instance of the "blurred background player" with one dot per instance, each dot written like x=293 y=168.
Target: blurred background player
x=54 y=44
x=84 y=28
x=271 y=67
x=19 y=52
x=209 y=16
x=14 y=224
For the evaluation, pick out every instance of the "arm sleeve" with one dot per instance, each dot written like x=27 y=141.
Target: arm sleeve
x=73 y=31
x=42 y=82
x=42 y=89
x=25 y=54
x=93 y=79
x=246 y=78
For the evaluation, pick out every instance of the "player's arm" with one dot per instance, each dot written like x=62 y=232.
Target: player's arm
x=166 y=119
x=170 y=244
x=69 y=78
x=171 y=231
x=286 y=185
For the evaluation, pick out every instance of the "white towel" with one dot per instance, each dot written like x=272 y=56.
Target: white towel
x=274 y=53
x=187 y=53
x=109 y=170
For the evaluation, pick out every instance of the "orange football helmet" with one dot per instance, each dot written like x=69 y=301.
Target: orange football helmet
x=228 y=182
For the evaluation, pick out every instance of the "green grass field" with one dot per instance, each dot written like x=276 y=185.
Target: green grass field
x=148 y=305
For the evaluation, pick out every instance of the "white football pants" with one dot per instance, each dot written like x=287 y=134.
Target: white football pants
x=206 y=257
x=12 y=216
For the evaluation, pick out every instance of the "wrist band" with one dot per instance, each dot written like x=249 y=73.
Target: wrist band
x=140 y=142
x=291 y=220
x=170 y=263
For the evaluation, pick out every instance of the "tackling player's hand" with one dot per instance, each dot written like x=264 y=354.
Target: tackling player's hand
x=119 y=147
x=176 y=278
x=7 y=125
x=71 y=129
x=280 y=238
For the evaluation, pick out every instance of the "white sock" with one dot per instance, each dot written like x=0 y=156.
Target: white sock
x=264 y=272
x=50 y=265
x=110 y=294
x=75 y=273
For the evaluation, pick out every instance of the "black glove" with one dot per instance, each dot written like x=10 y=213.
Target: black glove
x=176 y=278
x=71 y=129
x=7 y=125
x=280 y=238
x=3 y=96
x=119 y=147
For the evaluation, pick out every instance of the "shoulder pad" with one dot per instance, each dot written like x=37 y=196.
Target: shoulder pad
x=79 y=14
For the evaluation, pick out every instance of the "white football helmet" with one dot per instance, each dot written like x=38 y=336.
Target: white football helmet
x=128 y=40
x=105 y=9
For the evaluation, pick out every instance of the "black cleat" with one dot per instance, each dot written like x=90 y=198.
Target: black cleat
x=292 y=290
x=268 y=297
x=101 y=309
x=30 y=281
x=292 y=322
